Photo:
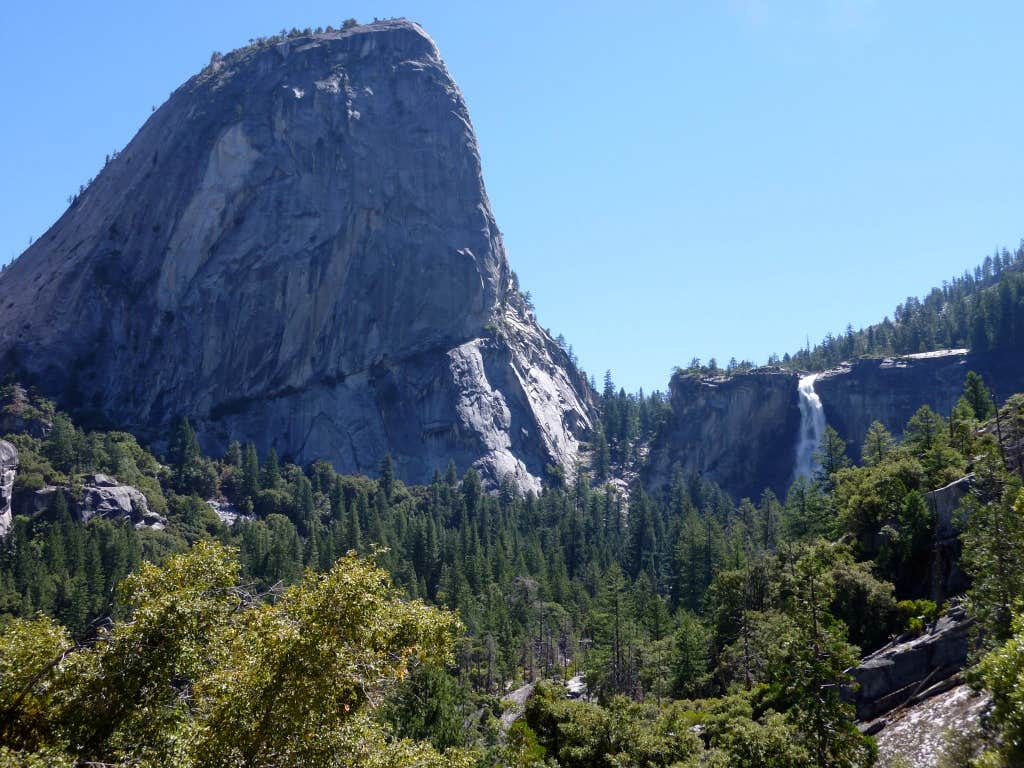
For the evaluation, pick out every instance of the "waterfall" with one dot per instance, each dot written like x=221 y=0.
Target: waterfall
x=812 y=427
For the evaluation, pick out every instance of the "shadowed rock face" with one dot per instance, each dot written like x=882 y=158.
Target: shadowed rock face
x=739 y=431
x=946 y=577
x=297 y=250
x=891 y=390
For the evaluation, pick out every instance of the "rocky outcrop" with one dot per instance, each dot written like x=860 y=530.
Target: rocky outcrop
x=919 y=735
x=101 y=497
x=8 y=468
x=228 y=513
x=912 y=668
x=514 y=704
x=738 y=431
x=297 y=250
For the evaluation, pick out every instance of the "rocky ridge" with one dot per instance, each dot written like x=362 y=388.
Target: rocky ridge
x=297 y=250
x=913 y=668
x=100 y=496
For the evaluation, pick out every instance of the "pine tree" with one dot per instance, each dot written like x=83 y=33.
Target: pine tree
x=978 y=396
x=354 y=528
x=831 y=457
x=387 y=476
x=60 y=444
x=993 y=544
x=815 y=673
x=270 y=477
x=250 y=473
x=925 y=431
x=963 y=427
x=602 y=455
x=877 y=444
x=690 y=658
x=610 y=664
x=233 y=457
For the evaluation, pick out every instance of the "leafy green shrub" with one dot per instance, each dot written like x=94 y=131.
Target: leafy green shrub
x=917 y=614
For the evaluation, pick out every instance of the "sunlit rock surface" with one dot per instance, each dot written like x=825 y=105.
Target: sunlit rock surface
x=910 y=668
x=8 y=469
x=297 y=250
x=918 y=735
x=99 y=496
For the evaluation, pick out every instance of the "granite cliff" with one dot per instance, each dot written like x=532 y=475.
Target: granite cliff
x=297 y=250
x=738 y=431
x=741 y=430
x=891 y=389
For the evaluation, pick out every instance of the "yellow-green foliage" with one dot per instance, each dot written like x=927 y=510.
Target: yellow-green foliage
x=202 y=673
x=1002 y=671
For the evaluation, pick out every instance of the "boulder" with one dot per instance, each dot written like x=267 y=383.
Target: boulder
x=894 y=675
x=102 y=496
x=228 y=513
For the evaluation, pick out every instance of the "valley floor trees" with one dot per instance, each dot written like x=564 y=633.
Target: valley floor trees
x=747 y=614
x=202 y=672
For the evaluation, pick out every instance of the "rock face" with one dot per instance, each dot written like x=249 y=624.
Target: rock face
x=102 y=496
x=912 y=669
x=739 y=431
x=297 y=250
x=892 y=389
x=919 y=734
x=8 y=468
x=946 y=576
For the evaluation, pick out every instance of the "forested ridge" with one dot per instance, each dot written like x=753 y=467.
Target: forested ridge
x=982 y=310
x=709 y=632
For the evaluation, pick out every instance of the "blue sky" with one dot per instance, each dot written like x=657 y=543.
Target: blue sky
x=673 y=179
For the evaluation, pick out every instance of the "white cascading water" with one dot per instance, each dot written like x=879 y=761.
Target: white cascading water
x=812 y=427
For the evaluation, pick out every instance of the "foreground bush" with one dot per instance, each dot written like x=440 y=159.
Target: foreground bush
x=203 y=672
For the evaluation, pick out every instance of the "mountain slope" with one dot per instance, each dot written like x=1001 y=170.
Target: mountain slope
x=297 y=250
x=982 y=310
